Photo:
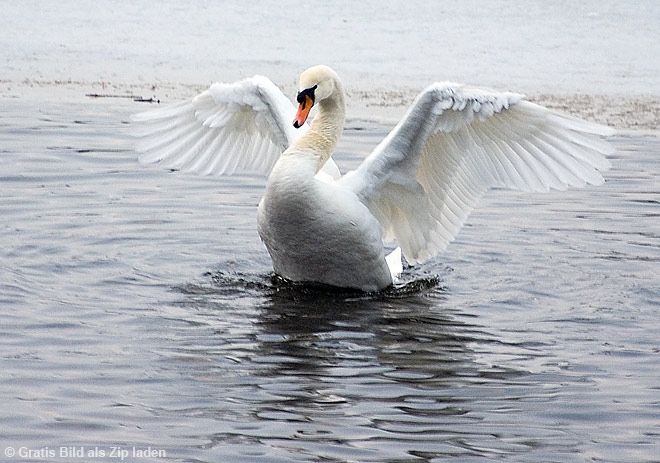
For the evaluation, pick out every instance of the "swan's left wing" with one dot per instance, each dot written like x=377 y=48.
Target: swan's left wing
x=242 y=126
x=455 y=143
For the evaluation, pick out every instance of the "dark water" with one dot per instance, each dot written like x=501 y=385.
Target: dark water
x=139 y=314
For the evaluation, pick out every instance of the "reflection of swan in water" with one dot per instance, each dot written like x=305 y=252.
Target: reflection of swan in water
x=313 y=330
x=333 y=335
x=417 y=187
x=410 y=340
x=318 y=372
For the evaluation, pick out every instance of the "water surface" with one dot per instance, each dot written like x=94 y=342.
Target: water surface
x=139 y=311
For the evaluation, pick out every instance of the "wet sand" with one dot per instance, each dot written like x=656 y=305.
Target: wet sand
x=639 y=113
x=596 y=59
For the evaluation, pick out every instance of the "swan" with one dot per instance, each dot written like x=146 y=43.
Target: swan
x=416 y=188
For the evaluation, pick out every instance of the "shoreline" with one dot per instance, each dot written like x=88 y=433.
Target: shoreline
x=639 y=113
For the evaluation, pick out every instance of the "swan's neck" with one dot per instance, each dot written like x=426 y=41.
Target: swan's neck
x=322 y=137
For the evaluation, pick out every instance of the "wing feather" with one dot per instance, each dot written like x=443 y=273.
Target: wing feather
x=243 y=126
x=167 y=112
x=457 y=142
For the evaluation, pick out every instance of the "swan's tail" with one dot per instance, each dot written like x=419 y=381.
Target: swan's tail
x=395 y=263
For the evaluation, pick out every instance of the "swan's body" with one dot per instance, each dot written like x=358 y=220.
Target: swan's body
x=417 y=187
x=320 y=232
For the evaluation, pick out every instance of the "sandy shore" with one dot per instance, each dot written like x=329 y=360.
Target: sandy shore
x=640 y=113
x=593 y=59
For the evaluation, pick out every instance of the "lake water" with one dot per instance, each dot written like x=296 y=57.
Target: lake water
x=141 y=321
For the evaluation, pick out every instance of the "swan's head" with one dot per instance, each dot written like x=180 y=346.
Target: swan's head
x=316 y=84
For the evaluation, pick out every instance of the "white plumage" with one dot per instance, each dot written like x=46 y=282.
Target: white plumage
x=417 y=187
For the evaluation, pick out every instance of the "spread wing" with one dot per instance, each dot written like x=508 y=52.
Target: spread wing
x=242 y=126
x=454 y=144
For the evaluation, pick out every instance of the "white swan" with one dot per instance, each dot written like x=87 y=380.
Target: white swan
x=417 y=187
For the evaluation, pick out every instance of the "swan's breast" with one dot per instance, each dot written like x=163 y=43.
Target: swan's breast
x=321 y=232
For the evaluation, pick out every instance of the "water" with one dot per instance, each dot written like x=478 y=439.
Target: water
x=139 y=314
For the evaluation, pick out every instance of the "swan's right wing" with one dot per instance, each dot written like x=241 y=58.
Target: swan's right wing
x=455 y=143
x=242 y=126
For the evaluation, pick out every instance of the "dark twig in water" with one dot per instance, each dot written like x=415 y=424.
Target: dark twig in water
x=137 y=99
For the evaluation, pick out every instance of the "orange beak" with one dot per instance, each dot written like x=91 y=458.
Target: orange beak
x=303 y=111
